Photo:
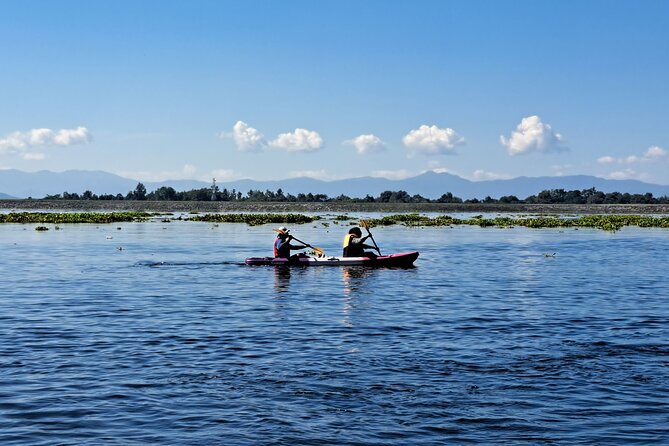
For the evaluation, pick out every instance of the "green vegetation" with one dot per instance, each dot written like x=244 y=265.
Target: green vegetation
x=72 y=217
x=606 y=222
x=255 y=219
x=549 y=196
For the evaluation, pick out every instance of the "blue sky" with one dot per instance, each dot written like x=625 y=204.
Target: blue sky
x=157 y=90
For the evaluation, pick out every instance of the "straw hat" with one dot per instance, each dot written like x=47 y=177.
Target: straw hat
x=282 y=230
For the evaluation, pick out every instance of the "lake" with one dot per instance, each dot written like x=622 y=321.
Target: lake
x=156 y=333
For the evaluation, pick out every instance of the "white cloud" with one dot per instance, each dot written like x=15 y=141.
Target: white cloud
x=301 y=140
x=224 y=175
x=432 y=140
x=67 y=137
x=654 y=152
x=247 y=138
x=22 y=142
x=32 y=156
x=442 y=170
x=367 y=144
x=317 y=174
x=627 y=174
x=532 y=135
x=480 y=174
x=187 y=172
x=392 y=174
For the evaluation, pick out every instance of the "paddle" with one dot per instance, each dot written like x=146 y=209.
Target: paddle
x=319 y=252
x=365 y=225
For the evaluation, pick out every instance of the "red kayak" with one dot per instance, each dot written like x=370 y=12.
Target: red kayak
x=402 y=259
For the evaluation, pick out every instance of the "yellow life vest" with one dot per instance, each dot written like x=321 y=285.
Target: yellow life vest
x=347 y=242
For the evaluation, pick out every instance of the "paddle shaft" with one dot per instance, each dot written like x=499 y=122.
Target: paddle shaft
x=300 y=241
x=373 y=241
x=319 y=252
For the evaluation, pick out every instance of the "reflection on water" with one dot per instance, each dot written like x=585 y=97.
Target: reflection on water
x=354 y=277
x=281 y=278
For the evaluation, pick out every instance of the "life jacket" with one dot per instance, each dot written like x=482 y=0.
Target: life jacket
x=347 y=242
x=277 y=243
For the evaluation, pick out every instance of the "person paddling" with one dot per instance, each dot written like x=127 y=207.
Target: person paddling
x=354 y=244
x=282 y=245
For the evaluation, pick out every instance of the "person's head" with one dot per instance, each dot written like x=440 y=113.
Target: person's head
x=355 y=231
x=282 y=232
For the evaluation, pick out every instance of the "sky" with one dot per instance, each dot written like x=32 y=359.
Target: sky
x=157 y=90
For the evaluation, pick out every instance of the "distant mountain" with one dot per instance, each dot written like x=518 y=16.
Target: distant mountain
x=6 y=197
x=433 y=185
x=430 y=185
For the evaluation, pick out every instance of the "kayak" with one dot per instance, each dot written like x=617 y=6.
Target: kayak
x=402 y=259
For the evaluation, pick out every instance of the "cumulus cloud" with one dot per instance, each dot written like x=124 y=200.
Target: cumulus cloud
x=224 y=174
x=627 y=174
x=247 y=138
x=301 y=140
x=653 y=153
x=66 y=137
x=606 y=160
x=480 y=174
x=367 y=144
x=442 y=170
x=320 y=174
x=432 y=140
x=532 y=135
x=392 y=174
x=187 y=172
x=22 y=143
x=31 y=156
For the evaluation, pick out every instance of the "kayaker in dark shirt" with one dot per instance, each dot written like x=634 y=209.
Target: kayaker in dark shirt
x=354 y=244
x=282 y=245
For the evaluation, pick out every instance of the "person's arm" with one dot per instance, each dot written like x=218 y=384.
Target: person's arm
x=294 y=247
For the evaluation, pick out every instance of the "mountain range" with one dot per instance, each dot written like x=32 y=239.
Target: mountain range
x=19 y=184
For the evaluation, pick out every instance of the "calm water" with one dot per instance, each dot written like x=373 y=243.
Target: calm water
x=171 y=340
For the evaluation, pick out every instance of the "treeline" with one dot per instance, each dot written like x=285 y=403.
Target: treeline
x=551 y=196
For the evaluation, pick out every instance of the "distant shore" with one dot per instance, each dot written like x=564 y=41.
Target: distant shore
x=329 y=207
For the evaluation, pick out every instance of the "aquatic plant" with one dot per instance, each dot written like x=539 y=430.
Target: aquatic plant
x=72 y=217
x=255 y=219
x=605 y=222
x=41 y=228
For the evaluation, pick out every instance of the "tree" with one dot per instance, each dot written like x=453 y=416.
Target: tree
x=509 y=199
x=165 y=194
x=139 y=192
x=448 y=197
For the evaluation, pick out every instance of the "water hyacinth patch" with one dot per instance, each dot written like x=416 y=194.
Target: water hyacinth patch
x=605 y=222
x=255 y=219
x=72 y=217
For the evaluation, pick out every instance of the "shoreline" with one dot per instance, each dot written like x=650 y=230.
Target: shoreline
x=233 y=206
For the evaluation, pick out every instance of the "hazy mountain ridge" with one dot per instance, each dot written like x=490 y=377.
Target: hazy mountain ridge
x=16 y=183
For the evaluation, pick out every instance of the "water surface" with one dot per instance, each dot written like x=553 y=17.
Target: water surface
x=156 y=333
